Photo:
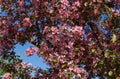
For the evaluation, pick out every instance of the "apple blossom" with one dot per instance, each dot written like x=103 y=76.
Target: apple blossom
x=76 y=46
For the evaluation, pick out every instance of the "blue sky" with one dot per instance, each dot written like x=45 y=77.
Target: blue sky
x=34 y=60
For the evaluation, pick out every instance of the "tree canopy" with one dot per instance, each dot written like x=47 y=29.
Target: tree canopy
x=77 y=38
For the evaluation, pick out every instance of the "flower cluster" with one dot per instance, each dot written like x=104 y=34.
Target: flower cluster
x=30 y=51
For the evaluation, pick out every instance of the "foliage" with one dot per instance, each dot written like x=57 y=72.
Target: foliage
x=11 y=64
x=77 y=38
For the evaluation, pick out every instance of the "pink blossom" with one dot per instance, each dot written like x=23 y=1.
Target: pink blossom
x=21 y=3
x=77 y=30
x=27 y=22
x=45 y=29
x=35 y=1
x=69 y=63
x=94 y=0
x=70 y=45
x=4 y=22
x=63 y=12
x=77 y=3
x=27 y=19
x=60 y=73
x=54 y=30
x=6 y=76
x=29 y=64
x=34 y=67
x=30 y=51
x=24 y=65
x=76 y=69
x=65 y=2
x=51 y=11
x=44 y=47
x=45 y=3
x=70 y=68
x=35 y=49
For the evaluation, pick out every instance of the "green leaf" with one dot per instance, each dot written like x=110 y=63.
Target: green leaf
x=19 y=67
x=37 y=44
x=93 y=50
x=76 y=49
x=101 y=62
x=0 y=23
x=69 y=72
x=1 y=72
x=110 y=73
x=64 y=65
x=96 y=65
x=113 y=56
x=113 y=38
x=6 y=62
x=54 y=60
x=106 y=54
